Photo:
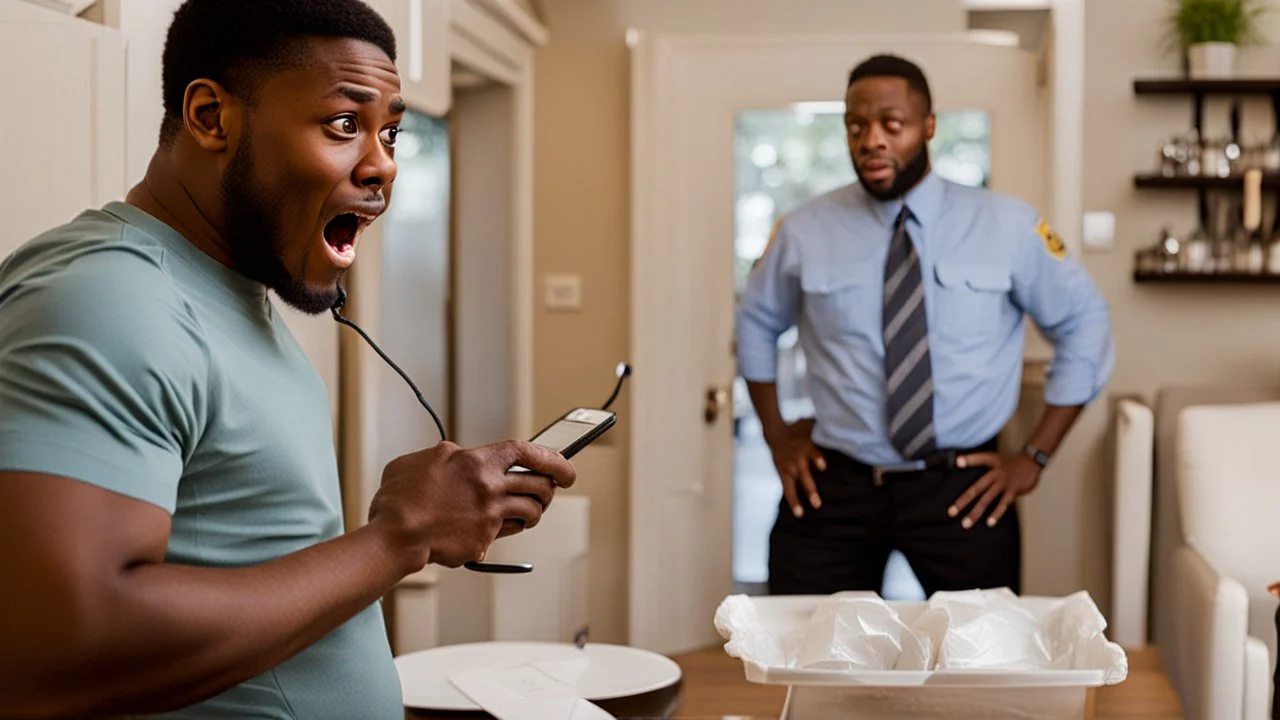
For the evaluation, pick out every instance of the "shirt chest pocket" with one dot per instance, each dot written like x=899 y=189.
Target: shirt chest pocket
x=844 y=302
x=971 y=300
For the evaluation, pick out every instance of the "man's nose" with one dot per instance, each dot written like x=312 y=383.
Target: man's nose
x=377 y=168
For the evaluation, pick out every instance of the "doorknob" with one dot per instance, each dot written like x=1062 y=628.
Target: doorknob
x=717 y=398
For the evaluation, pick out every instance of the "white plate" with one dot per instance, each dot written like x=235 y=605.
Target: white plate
x=614 y=671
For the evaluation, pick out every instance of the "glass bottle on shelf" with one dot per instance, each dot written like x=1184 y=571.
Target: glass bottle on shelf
x=1189 y=153
x=1196 y=251
x=1273 y=245
x=1232 y=150
x=1249 y=243
x=1271 y=163
x=1273 y=249
x=1225 y=222
x=1169 y=252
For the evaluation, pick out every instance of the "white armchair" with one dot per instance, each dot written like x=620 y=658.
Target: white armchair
x=1134 y=460
x=1223 y=633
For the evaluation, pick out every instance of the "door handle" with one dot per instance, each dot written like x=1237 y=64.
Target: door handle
x=716 y=399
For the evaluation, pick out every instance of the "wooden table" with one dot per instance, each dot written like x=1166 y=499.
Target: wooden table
x=714 y=689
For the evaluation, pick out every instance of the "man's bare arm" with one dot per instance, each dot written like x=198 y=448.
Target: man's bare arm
x=95 y=622
x=88 y=598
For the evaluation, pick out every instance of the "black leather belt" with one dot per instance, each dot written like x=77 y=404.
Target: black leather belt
x=936 y=460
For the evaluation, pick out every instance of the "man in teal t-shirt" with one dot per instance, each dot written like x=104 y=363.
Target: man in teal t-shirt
x=171 y=537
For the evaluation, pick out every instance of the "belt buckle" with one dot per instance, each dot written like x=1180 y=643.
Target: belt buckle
x=942 y=460
x=879 y=471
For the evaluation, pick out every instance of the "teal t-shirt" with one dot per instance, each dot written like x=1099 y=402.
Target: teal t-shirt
x=131 y=360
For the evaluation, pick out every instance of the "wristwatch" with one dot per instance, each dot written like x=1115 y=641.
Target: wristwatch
x=1035 y=453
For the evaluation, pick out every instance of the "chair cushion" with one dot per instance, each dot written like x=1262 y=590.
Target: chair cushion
x=1166 y=531
x=1228 y=481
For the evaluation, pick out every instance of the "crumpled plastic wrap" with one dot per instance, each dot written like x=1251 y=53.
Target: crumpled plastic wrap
x=991 y=630
x=857 y=631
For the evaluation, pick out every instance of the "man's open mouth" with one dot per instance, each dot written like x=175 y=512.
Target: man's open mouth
x=341 y=232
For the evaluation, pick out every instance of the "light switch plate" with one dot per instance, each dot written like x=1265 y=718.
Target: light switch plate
x=1099 y=230
x=563 y=292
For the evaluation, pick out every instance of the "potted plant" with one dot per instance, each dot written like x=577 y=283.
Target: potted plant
x=1210 y=31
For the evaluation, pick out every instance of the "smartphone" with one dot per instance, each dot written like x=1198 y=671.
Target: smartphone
x=575 y=430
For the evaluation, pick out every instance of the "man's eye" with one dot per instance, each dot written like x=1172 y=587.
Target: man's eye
x=345 y=125
x=388 y=136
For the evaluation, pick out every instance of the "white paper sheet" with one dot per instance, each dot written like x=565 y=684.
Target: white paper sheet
x=530 y=692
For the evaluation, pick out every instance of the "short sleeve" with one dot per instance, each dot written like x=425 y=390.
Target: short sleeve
x=103 y=376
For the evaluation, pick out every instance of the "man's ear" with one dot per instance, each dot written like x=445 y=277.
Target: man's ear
x=210 y=114
x=930 y=126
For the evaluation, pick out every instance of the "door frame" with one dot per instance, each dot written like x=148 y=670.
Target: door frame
x=441 y=33
x=660 y=289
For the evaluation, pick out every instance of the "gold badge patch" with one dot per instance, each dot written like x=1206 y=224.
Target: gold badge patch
x=1052 y=243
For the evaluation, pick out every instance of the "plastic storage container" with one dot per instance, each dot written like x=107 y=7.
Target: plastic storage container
x=824 y=694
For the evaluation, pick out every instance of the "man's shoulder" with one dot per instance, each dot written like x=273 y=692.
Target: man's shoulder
x=998 y=204
x=826 y=207
x=95 y=249
x=90 y=270
x=1010 y=218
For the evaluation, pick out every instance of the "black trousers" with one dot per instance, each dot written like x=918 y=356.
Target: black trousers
x=845 y=544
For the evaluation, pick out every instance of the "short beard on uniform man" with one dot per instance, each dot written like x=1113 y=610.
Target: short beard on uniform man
x=907 y=177
x=254 y=238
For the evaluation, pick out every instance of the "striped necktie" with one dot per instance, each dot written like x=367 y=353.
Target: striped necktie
x=908 y=374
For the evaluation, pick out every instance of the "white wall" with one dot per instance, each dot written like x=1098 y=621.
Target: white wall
x=60 y=135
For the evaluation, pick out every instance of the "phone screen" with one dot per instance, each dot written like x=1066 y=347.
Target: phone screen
x=563 y=434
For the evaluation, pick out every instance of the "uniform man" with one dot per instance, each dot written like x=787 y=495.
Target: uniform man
x=909 y=293
x=171 y=535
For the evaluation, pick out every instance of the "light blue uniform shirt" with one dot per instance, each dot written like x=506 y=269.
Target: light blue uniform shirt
x=986 y=260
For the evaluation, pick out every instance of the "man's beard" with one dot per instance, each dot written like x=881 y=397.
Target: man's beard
x=254 y=238
x=907 y=177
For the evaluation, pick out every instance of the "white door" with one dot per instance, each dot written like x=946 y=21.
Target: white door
x=62 y=135
x=687 y=93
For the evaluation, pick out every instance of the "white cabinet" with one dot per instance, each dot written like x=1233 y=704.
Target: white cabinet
x=61 y=133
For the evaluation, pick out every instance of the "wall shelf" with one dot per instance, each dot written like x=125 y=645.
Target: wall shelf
x=1191 y=182
x=1183 y=86
x=1206 y=278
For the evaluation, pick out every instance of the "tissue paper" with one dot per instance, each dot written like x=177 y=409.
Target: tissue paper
x=855 y=631
x=980 y=629
x=991 y=631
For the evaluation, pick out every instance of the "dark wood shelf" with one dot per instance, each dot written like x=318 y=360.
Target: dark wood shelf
x=1192 y=182
x=1183 y=86
x=1206 y=278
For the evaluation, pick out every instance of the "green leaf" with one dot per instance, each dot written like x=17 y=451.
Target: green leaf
x=1226 y=21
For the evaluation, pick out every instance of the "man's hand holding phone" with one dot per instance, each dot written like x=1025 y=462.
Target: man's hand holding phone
x=446 y=505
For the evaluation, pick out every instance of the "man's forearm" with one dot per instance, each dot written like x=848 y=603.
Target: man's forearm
x=764 y=398
x=1053 y=427
x=166 y=636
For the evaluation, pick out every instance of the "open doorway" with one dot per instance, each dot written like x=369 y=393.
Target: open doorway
x=415 y=292
x=783 y=157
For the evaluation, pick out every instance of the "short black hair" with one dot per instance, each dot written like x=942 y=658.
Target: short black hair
x=894 y=66
x=233 y=41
